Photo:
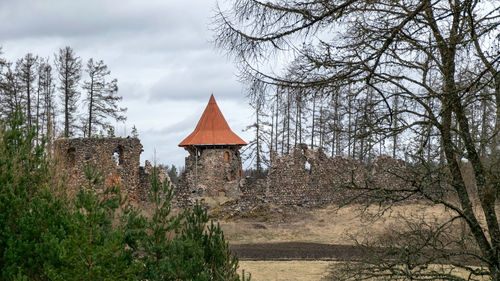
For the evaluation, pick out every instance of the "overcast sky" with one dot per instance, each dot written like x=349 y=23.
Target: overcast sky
x=159 y=50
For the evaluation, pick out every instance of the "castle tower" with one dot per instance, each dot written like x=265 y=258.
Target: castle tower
x=213 y=167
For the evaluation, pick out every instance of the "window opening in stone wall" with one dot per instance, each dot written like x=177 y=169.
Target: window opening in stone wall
x=227 y=156
x=308 y=167
x=232 y=175
x=72 y=155
x=118 y=156
x=239 y=173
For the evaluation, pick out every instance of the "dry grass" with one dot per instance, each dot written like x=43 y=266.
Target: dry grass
x=315 y=270
x=286 y=270
x=327 y=225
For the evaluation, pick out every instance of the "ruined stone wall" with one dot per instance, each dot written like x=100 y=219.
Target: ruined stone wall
x=310 y=178
x=117 y=158
x=145 y=176
x=216 y=172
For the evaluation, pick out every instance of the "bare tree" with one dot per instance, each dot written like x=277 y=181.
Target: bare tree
x=46 y=89
x=101 y=98
x=69 y=68
x=378 y=50
x=26 y=70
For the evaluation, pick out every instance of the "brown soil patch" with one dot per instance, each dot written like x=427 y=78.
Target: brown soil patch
x=296 y=251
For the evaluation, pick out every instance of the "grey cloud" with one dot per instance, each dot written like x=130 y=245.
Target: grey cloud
x=157 y=49
x=166 y=154
x=131 y=90
x=182 y=127
x=197 y=80
x=64 y=18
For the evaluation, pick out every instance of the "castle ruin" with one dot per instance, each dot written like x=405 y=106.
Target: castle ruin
x=213 y=167
x=117 y=158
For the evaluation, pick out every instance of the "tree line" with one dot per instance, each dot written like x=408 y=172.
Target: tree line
x=339 y=123
x=417 y=79
x=60 y=96
x=356 y=121
x=360 y=118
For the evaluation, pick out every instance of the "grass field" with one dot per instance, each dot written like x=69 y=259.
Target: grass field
x=326 y=225
x=286 y=270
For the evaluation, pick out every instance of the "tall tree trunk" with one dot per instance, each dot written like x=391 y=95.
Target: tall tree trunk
x=277 y=121
x=349 y=127
x=288 y=117
x=91 y=105
x=313 y=121
x=395 y=116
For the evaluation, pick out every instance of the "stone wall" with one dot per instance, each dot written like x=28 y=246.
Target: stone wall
x=216 y=173
x=145 y=175
x=310 y=178
x=117 y=158
x=305 y=177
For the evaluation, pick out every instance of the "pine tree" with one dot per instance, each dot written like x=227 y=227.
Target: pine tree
x=26 y=72
x=200 y=251
x=134 y=132
x=69 y=68
x=101 y=97
x=173 y=174
x=255 y=148
x=10 y=92
x=46 y=89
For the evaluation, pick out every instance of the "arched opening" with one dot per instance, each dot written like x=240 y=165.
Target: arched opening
x=308 y=167
x=118 y=155
x=227 y=156
x=71 y=155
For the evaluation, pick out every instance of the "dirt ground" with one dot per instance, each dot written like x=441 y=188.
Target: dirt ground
x=296 y=251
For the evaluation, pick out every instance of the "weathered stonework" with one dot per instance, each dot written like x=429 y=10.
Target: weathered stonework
x=145 y=175
x=305 y=177
x=117 y=158
x=309 y=178
x=216 y=172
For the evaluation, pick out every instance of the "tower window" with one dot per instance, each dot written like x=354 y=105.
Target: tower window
x=227 y=156
x=72 y=155
x=118 y=156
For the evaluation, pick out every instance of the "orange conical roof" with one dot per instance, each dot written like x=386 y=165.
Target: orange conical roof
x=212 y=129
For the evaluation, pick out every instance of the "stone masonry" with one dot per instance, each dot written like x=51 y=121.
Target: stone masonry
x=309 y=178
x=117 y=158
x=305 y=177
x=216 y=172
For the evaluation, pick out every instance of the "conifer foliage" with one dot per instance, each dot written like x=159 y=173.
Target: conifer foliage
x=101 y=98
x=88 y=97
x=69 y=68
x=200 y=252
x=47 y=235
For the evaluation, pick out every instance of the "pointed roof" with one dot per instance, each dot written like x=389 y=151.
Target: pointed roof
x=212 y=129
